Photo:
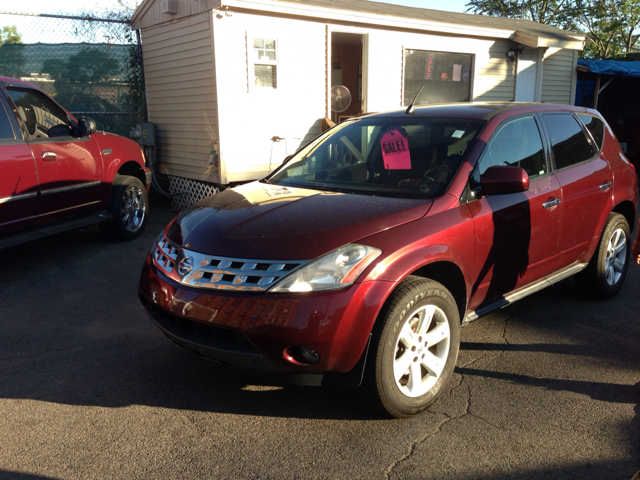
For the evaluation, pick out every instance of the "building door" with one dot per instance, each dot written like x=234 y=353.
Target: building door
x=527 y=72
x=346 y=93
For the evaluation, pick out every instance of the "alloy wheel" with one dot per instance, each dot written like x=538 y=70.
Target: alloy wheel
x=616 y=256
x=421 y=350
x=132 y=208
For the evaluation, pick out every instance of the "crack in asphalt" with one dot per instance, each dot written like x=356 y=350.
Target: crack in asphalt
x=39 y=354
x=504 y=330
x=489 y=423
x=201 y=431
x=414 y=445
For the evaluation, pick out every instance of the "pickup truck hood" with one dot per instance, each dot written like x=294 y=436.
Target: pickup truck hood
x=262 y=221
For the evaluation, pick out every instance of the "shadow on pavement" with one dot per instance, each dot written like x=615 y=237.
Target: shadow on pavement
x=606 y=392
x=73 y=331
x=7 y=475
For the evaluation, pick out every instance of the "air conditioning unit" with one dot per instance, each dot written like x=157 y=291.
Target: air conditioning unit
x=169 y=6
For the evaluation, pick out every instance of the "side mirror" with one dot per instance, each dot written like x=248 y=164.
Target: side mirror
x=86 y=126
x=500 y=180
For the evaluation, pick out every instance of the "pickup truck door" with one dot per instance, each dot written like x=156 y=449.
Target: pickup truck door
x=18 y=177
x=69 y=168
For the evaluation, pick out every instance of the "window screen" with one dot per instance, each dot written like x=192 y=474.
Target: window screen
x=517 y=144
x=595 y=126
x=568 y=141
x=445 y=76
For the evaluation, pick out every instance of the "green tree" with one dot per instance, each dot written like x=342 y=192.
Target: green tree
x=11 y=52
x=549 y=12
x=612 y=25
x=9 y=34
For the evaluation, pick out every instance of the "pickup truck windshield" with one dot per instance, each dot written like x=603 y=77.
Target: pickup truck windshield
x=392 y=156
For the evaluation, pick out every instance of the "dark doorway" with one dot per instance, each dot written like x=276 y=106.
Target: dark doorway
x=346 y=71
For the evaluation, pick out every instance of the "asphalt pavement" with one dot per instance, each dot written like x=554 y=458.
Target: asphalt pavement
x=548 y=388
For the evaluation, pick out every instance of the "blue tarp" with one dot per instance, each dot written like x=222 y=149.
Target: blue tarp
x=611 y=67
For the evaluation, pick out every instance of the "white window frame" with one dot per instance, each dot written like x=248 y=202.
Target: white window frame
x=252 y=61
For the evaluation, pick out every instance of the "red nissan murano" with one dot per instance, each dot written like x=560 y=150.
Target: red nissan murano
x=357 y=261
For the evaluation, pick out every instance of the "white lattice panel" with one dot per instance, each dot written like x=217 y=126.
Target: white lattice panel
x=194 y=191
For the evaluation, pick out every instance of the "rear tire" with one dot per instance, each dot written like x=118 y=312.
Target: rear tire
x=414 y=348
x=129 y=205
x=605 y=274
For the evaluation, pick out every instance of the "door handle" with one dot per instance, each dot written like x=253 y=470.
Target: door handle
x=49 y=156
x=552 y=203
x=604 y=186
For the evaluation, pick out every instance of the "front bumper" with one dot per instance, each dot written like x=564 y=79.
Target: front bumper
x=147 y=177
x=250 y=331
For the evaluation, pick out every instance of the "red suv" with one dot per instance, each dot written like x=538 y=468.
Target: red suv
x=357 y=261
x=59 y=174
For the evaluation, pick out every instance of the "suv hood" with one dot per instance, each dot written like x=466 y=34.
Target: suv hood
x=261 y=221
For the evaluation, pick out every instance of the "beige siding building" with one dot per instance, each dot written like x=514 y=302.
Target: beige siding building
x=234 y=86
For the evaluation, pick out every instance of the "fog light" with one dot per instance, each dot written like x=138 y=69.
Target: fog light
x=301 y=355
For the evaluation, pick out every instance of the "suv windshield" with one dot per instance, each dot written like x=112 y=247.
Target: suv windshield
x=394 y=156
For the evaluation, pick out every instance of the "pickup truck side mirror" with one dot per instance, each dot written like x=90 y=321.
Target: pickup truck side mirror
x=501 y=180
x=86 y=126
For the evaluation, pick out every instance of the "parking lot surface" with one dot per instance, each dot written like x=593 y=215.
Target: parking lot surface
x=89 y=388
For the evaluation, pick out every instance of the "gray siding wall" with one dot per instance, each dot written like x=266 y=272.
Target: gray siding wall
x=181 y=94
x=558 y=76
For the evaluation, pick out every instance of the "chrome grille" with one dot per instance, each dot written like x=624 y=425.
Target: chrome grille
x=220 y=273
x=224 y=273
x=165 y=254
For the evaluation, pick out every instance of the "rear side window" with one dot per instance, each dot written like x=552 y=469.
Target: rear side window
x=568 y=141
x=595 y=126
x=5 y=127
x=517 y=144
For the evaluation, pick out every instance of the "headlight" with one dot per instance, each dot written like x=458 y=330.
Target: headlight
x=337 y=269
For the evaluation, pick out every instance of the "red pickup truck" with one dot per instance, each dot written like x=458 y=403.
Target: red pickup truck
x=59 y=174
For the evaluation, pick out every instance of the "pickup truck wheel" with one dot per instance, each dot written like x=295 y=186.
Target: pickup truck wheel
x=129 y=203
x=415 y=346
x=605 y=274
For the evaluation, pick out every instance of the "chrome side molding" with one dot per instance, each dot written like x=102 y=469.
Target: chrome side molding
x=523 y=292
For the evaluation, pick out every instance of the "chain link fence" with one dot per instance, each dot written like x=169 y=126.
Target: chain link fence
x=92 y=66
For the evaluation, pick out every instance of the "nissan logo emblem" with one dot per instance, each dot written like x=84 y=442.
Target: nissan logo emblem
x=185 y=266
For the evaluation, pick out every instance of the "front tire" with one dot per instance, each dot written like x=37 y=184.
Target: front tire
x=605 y=274
x=129 y=206
x=414 y=348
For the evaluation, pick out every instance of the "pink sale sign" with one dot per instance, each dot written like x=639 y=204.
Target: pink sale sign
x=395 y=151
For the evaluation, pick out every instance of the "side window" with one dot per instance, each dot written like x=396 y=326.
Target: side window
x=265 y=58
x=517 y=144
x=39 y=114
x=6 y=132
x=595 y=126
x=568 y=141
